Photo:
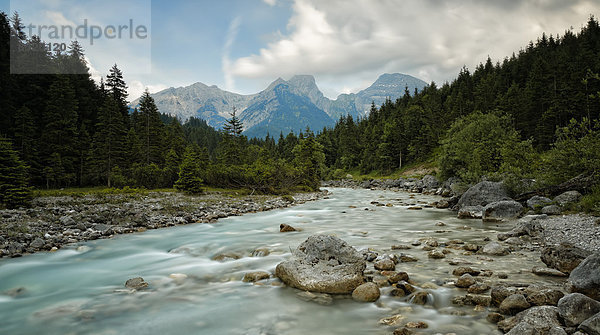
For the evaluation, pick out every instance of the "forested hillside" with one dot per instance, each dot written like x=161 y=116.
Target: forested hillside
x=69 y=131
x=508 y=117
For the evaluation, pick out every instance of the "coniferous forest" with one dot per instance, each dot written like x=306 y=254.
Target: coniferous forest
x=533 y=116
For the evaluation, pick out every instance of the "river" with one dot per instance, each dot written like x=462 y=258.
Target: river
x=80 y=289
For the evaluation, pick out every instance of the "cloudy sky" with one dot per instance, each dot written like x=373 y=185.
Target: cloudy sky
x=243 y=45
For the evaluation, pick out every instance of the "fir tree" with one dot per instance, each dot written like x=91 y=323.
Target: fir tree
x=152 y=129
x=14 y=191
x=118 y=89
x=190 y=172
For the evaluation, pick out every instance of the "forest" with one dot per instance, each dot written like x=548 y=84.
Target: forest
x=532 y=117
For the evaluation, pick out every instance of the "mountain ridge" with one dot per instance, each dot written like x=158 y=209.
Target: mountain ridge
x=299 y=97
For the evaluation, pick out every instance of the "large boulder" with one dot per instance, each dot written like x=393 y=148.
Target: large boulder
x=514 y=304
x=482 y=194
x=494 y=249
x=367 y=292
x=563 y=258
x=575 y=308
x=538 y=201
x=324 y=264
x=567 y=198
x=502 y=211
x=540 y=319
x=592 y=325
x=430 y=182
x=585 y=278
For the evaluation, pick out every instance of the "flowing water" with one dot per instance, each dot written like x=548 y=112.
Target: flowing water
x=80 y=289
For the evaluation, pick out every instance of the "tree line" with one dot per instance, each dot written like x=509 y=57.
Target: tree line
x=65 y=130
x=508 y=118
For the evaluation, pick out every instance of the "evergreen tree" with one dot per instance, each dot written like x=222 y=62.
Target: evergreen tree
x=309 y=160
x=152 y=130
x=14 y=191
x=118 y=89
x=190 y=172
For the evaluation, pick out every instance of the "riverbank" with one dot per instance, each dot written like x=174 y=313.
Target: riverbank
x=54 y=221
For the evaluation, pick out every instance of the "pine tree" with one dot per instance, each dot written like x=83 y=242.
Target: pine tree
x=233 y=127
x=232 y=148
x=118 y=89
x=14 y=191
x=24 y=136
x=152 y=130
x=309 y=160
x=190 y=172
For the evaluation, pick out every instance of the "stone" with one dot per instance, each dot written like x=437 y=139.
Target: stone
x=591 y=326
x=563 y=258
x=538 y=201
x=324 y=264
x=494 y=317
x=403 y=331
x=430 y=182
x=137 y=283
x=284 y=228
x=544 y=297
x=478 y=299
x=514 y=304
x=261 y=252
x=471 y=247
x=67 y=221
x=551 y=210
x=400 y=247
x=461 y=270
x=367 y=292
x=419 y=298
x=567 y=198
x=494 y=249
x=535 y=320
x=502 y=211
x=385 y=264
x=465 y=281
x=394 y=320
x=499 y=293
x=542 y=271
x=478 y=288
x=585 y=278
x=252 y=277
x=482 y=194
x=394 y=277
x=436 y=254
x=416 y=324
x=442 y=204
x=37 y=243
x=407 y=258
x=225 y=256
x=575 y=308
x=470 y=212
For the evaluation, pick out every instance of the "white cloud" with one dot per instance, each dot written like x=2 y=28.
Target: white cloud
x=136 y=88
x=270 y=2
x=59 y=19
x=430 y=39
x=234 y=27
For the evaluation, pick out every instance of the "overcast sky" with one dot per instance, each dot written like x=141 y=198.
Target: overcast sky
x=243 y=45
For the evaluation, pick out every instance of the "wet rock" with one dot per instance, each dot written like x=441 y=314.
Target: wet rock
x=403 y=331
x=137 y=283
x=436 y=254
x=369 y=256
x=499 y=293
x=261 y=252
x=551 y=210
x=471 y=247
x=284 y=228
x=407 y=258
x=461 y=270
x=394 y=320
x=252 y=277
x=585 y=278
x=575 y=308
x=478 y=288
x=542 y=271
x=385 y=265
x=478 y=299
x=442 y=204
x=544 y=297
x=394 y=277
x=494 y=317
x=592 y=325
x=416 y=324
x=465 y=281
x=400 y=247
x=563 y=257
x=470 y=212
x=567 y=198
x=502 y=211
x=367 y=292
x=419 y=298
x=539 y=319
x=406 y=287
x=324 y=264
x=494 y=249
x=514 y=304
x=226 y=256
x=538 y=201
x=15 y=292
x=319 y=298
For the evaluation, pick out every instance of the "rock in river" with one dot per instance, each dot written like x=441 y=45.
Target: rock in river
x=482 y=194
x=585 y=278
x=284 y=228
x=502 y=210
x=575 y=308
x=367 y=292
x=495 y=249
x=137 y=283
x=325 y=264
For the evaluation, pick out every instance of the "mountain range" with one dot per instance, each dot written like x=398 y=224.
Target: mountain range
x=284 y=106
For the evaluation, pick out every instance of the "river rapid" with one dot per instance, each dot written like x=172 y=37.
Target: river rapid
x=80 y=288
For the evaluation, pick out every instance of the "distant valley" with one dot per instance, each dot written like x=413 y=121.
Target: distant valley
x=284 y=106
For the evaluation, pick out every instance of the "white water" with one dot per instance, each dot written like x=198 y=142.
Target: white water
x=80 y=289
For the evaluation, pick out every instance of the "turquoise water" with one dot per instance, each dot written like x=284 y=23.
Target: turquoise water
x=80 y=289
